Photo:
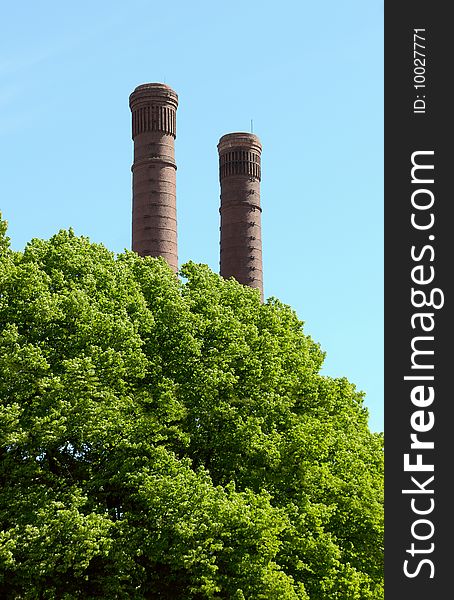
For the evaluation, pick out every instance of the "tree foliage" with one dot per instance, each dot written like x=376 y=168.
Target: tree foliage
x=173 y=439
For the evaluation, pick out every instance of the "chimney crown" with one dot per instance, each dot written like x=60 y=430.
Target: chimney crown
x=156 y=92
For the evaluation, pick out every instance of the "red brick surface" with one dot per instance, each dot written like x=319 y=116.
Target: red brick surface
x=241 y=234
x=154 y=215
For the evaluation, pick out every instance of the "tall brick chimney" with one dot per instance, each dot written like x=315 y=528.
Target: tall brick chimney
x=154 y=214
x=241 y=232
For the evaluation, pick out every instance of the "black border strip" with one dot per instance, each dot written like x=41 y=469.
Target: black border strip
x=419 y=124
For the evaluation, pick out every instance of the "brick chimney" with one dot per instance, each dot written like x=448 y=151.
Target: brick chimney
x=154 y=215
x=241 y=232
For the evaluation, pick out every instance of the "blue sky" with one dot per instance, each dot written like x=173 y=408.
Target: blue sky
x=309 y=75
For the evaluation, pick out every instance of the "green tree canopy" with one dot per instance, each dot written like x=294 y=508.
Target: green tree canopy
x=173 y=439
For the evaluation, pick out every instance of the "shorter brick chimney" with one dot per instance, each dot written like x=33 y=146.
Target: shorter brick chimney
x=241 y=232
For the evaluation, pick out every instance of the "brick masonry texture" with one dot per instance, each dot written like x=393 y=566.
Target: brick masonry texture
x=241 y=232
x=154 y=214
